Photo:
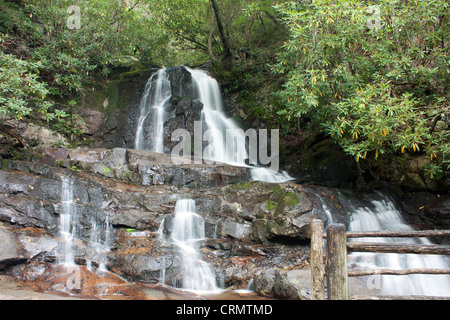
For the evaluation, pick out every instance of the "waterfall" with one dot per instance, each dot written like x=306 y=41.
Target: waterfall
x=221 y=149
x=215 y=120
x=226 y=141
x=67 y=225
x=152 y=113
x=267 y=175
x=187 y=233
x=100 y=239
x=378 y=214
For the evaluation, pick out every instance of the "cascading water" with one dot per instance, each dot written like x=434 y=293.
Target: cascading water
x=152 y=113
x=150 y=127
x=67 y=225
x=214 y=118
x=221 y=149
x=187 y=233
x=99 y=240
x=380 y=214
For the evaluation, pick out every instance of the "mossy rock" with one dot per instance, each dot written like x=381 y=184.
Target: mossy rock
x=271 y=205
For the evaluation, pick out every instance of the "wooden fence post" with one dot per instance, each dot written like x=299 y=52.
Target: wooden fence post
x=336 y=263
x=317 y=265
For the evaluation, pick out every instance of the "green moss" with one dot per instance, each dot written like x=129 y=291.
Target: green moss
x=291 y=199
x=240 y=186
x=107 y=171
x=5 y=164
x=277 y=192
x=271 y=205
x=137 y=70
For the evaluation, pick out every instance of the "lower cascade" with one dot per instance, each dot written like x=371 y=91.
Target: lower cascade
x=188 y=232
x=67 y=224
x=380 y=213
x=70 y=229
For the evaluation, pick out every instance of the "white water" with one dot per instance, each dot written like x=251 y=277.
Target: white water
x=187 y=233
x=152 y=116
x=220 y=149
x=100 y=233
x=214 y=118
x=100 y=240
x=380 y=214
x=67 y=226
x=150 y=128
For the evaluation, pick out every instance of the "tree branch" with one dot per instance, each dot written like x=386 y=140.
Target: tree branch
x=223 y=38
x=118 y=19
x=13 y=134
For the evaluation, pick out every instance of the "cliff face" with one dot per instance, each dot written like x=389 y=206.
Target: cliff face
x=250 y=226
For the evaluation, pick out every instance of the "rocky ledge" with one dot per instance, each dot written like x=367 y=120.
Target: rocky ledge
x=255 y=230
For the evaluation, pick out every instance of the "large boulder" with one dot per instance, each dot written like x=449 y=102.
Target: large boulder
x=293 y=284
x=11 y=250
x=148 y=168
x=277 y=212
x=286 y=284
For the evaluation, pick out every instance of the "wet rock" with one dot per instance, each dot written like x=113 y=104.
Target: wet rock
x=91 y=121
x=35 y=135
x=278 y=212
x=28 y=212
x=142 y=267
x=265 y=282
x=51 y=155
x=236 y=230
x=425 y=210
x=136 y=219
x=38 y=244
x=148 y=168
x=11 y=251
x=293 y=284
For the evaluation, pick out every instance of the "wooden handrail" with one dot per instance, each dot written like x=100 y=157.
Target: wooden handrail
x=399 y=234
x=398 y=248
x=396 y=234
x=335 y=266
x=370 y=272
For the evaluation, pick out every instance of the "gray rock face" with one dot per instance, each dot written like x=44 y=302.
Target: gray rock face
x=148 y=168
x=11 y=251
x=292 y=285
x=251 y=226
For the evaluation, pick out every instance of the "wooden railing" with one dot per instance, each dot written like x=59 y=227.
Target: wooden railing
x=334 y=268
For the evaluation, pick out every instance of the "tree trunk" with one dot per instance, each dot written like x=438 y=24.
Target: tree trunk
x=13 y=134
x=210 y=39
x=223 y=38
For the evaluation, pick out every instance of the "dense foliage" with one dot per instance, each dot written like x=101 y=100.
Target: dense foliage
x=375 y=78
x=51 y=49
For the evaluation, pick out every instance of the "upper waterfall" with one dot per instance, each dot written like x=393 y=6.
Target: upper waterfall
x=215 y=120
x=152 y=114
x=222 y=139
